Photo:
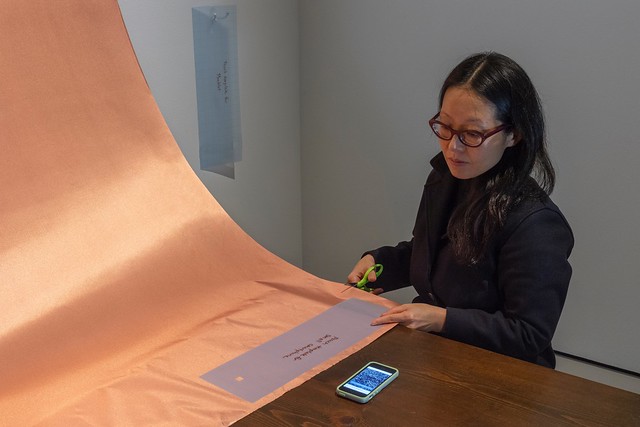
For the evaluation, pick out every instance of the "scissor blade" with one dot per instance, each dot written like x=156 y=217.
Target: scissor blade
x=349 y=285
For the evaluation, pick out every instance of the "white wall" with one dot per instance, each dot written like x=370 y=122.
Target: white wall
x=264 y=198
x=370 y=73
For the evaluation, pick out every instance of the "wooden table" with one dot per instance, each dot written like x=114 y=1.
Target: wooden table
x=446 y=383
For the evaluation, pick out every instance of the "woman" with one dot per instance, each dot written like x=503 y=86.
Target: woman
x=489 y=253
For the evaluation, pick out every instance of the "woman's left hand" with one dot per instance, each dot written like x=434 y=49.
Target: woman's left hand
x=424 y=317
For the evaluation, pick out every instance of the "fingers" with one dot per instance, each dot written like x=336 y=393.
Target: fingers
x=396 y=310
x=372 y=276
x=360 y=268
x=415 y=316
x=383 y=320
x=395 y=315
x=353 y=277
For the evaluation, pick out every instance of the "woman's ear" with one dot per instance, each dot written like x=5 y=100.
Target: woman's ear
x=513 y=138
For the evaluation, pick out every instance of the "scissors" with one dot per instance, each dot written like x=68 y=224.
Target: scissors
x=362 y=284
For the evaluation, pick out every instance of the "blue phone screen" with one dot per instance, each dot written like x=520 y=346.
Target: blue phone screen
x=367 y=380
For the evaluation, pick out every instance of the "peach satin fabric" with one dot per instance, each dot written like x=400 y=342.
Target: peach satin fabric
x=121 y=279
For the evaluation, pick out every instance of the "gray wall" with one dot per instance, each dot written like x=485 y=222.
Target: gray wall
x=370 y=73
x=264 y=198
x=345 y=96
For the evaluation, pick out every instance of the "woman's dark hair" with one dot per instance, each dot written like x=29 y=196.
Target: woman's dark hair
x=503 y=83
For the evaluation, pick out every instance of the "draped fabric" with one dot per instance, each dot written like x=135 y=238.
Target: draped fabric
x=122 y=280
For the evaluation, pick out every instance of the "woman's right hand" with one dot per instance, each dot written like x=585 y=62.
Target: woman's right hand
x=360 y=268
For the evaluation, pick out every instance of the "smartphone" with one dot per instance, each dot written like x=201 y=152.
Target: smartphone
x=367 y=382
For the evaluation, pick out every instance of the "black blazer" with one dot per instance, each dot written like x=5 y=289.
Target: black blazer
x=511 y=300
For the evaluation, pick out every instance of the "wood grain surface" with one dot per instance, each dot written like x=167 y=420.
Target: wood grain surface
x=446 y=383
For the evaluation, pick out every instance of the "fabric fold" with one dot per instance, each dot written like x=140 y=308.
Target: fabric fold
x=122 y=280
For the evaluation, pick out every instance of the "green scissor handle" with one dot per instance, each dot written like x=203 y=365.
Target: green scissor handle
x=362 y=284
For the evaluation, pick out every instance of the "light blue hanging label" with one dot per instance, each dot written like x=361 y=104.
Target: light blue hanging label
x=217 y=87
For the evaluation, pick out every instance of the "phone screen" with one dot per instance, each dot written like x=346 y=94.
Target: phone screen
x=370 y=379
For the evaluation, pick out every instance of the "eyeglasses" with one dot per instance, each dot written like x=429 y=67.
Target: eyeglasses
x=470 y=138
